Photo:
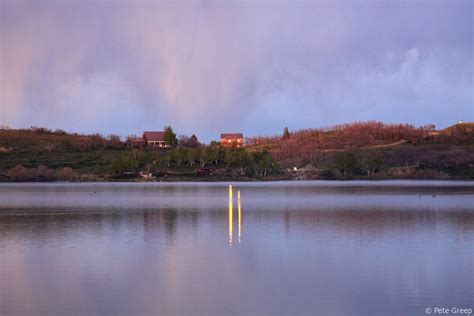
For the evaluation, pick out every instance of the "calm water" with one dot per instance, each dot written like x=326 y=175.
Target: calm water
x=322 y=248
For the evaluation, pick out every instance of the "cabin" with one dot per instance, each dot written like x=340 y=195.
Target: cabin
x=156 y=139
x=232 y=140
x=135 y=142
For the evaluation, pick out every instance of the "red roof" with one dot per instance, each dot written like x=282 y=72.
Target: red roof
x=232 y=135
x=154 y=136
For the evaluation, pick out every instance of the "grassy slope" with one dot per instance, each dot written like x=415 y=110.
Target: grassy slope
x=448 y=153
x=82 y=153
x=457 y=128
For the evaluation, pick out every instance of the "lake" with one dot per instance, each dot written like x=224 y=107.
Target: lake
x=279 y=248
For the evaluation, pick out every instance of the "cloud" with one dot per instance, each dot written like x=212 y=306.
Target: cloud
x=206 y=67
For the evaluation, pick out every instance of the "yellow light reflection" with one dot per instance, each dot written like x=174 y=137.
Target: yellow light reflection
x=231 y=226
x=240 y=213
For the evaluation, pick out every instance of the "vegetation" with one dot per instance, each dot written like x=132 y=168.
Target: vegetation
x=40 y=174
x=352 y=151
x=170 y=136
x=124 y=163
x=286 y=134
x=346 y=163
x=373 y=150
x=38 y=154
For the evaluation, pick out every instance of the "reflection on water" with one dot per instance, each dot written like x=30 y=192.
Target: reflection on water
x=308 y=249
x=240 y=214
x=231 y=216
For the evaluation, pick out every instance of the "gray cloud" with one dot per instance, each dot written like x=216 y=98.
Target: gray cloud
x=206 y=67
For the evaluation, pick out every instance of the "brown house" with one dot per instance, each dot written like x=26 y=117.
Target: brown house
x=155 y=139
x=232 y=139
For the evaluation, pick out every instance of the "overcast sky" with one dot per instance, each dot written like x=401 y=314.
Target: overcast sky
x=207 y=67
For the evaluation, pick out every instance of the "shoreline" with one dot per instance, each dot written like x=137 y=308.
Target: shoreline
x=275 y=180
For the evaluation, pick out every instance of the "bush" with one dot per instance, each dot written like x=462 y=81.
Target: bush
x=66 y=174
x=21 y=174
x=43 y=173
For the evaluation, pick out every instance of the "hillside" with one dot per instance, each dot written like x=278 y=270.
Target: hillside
x=401 y=150
x=38 y=146
x=360 y=150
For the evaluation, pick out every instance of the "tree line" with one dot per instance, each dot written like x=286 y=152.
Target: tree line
x=198 y=157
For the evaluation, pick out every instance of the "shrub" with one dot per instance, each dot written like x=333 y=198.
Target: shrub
x=43 y=173
x=66 y=174
x=21 y=174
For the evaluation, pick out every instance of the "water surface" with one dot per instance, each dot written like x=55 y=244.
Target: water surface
x=316 y=247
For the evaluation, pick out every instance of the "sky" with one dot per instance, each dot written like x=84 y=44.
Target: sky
x=206 y=67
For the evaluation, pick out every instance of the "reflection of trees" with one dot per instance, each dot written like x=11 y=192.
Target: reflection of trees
x=44 y=225
x=152 y=222
x=170 y=219
x=366 y=221
x=157 y=222
x=47 y=225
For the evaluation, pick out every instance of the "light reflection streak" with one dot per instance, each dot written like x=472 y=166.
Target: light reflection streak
x=231 y=225
x=240 y=214
x=231 y=216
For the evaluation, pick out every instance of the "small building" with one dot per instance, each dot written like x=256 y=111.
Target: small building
x=135 y=142
x=155 y=139
x=232 y=139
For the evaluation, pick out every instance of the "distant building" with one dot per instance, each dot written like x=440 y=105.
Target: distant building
x=155 y=139
x=232 y=139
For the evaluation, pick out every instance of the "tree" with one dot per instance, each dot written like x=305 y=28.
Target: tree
x=179 y=155
x=167 y=159
x=191 y=142
x=264 y=163
x=346 y=163
x=170 y=136
x=215 y=153
x=286 y=134
x=124 y=163
x=192 y=156
x=208 y=156
x=239 y=159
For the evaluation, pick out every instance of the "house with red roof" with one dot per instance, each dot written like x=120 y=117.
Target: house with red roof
x=155 y=139
x=232 y=139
